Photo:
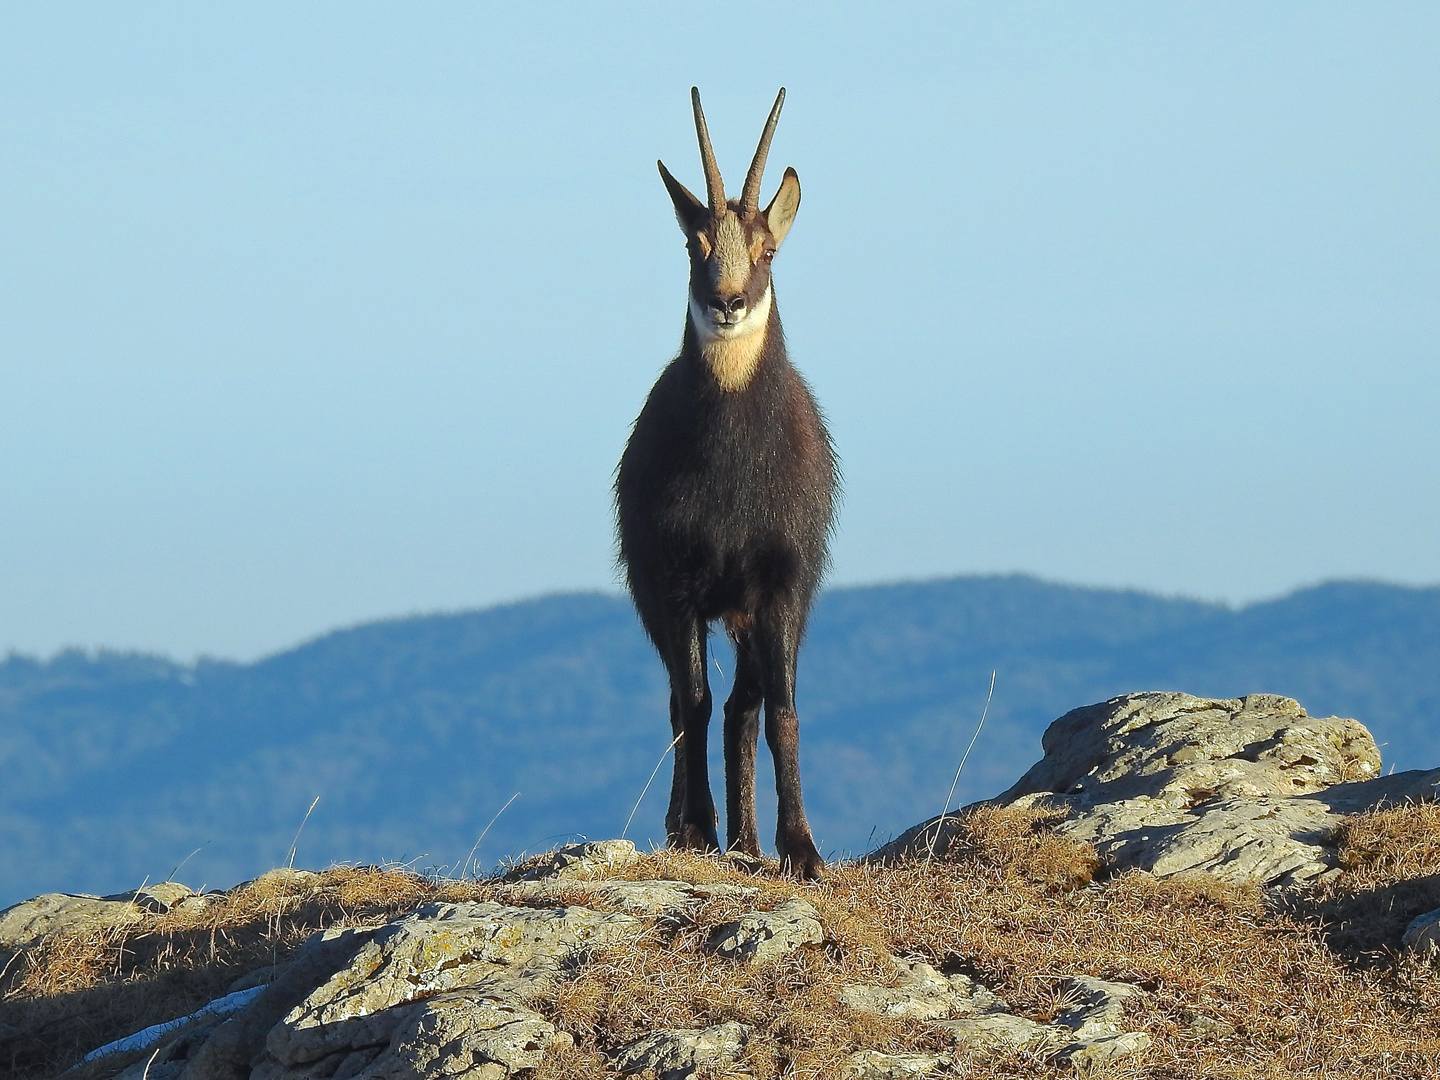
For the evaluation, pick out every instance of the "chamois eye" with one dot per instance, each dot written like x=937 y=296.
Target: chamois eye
x=769 y=254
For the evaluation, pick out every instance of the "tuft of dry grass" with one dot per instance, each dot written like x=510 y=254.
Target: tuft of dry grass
x=1390 y=873
x=1011 y=843
x=1394 y=844
x=1238 y=986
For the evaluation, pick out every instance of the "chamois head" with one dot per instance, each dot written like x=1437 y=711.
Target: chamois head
x=732 y=242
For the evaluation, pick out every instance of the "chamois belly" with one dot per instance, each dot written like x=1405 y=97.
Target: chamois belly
x=738 y=531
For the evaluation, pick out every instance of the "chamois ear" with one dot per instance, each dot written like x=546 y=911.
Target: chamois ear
x=780 y=214
x=688 y=209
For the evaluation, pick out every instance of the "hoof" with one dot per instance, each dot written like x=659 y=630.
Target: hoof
x=696 y=838
x=800 y=859
x=745 y=845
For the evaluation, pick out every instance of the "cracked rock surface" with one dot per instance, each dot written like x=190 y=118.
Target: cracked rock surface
x=1086 y=1032
x=677 y=1054
x=758 y=937
x=578 y=861
x=654 y=897
x=1249 y=789
x=443 y=986
x=28 y=922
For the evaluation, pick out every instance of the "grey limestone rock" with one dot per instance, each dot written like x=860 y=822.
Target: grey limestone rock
x=452 y=990
x=875 y=1065
x=1250 y=789
x=27 y=923
x=444 y=991
x=1086 y=1032
x=1094 y=1007
x=229 y=1052
x=500 y=952
x=1092 y=1055
x=998 y=1028
x=1185 y=750
x=158 y=898
x=922 y=993
x=647 y=897
x=579 y=861
x=759 y=937
x=1422 y=936
x=676 y=1054
x=465 y=1033
x=151 y=1068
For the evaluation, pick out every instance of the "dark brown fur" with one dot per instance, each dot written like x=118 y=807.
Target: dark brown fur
x=725 y=504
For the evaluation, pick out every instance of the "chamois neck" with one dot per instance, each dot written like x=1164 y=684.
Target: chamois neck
x=733 y=355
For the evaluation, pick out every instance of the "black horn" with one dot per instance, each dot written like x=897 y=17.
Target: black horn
x=750 y=197
x=714 y=187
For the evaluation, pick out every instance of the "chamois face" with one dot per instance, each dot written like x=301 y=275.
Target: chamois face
x=730 y=259
x=731 y=244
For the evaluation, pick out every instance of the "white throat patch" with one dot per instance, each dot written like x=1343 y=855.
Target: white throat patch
x=732 y=352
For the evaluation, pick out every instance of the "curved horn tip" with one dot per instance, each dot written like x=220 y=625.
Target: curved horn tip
x=714 y=186
x=750 y=195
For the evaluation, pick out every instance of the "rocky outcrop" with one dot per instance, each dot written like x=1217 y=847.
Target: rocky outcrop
x=672 y=900
x=442 y=991
x=462 y=989
x=1249 y=789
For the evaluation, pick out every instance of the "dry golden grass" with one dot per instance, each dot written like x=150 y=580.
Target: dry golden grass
x=1237 y=987
x=1391 y=873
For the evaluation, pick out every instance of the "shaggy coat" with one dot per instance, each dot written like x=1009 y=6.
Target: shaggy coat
x=725 y=500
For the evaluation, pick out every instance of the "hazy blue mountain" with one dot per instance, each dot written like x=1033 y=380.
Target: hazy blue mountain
x=414 y=732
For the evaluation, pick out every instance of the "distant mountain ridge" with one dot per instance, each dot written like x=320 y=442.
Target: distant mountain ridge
x=414 y=732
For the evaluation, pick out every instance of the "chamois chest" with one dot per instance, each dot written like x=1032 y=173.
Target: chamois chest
x=713 y=483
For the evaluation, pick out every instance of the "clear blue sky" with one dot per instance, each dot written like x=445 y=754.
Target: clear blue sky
x=311 y=314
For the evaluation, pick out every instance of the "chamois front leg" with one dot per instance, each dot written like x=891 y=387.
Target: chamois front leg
x=742 y=732
x=690 y=706
x=676 y=811
x=778 y=640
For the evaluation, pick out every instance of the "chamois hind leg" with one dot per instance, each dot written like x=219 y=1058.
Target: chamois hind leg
x=777 y=639
x=694 y=826
x=742 y=731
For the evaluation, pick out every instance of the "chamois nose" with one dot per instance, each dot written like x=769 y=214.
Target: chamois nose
x=733 y=306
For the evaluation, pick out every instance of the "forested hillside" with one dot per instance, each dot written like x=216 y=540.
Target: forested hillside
x=414 y=732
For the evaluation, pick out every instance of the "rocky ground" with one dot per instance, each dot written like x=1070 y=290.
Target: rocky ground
x=1181 y=887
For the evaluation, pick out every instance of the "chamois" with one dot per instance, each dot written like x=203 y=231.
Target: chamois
x=725 y=502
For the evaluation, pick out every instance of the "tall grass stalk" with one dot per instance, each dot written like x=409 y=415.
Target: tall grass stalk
x=465 y=869
x=296 y=842
x=940 y=823
x=646 y=788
